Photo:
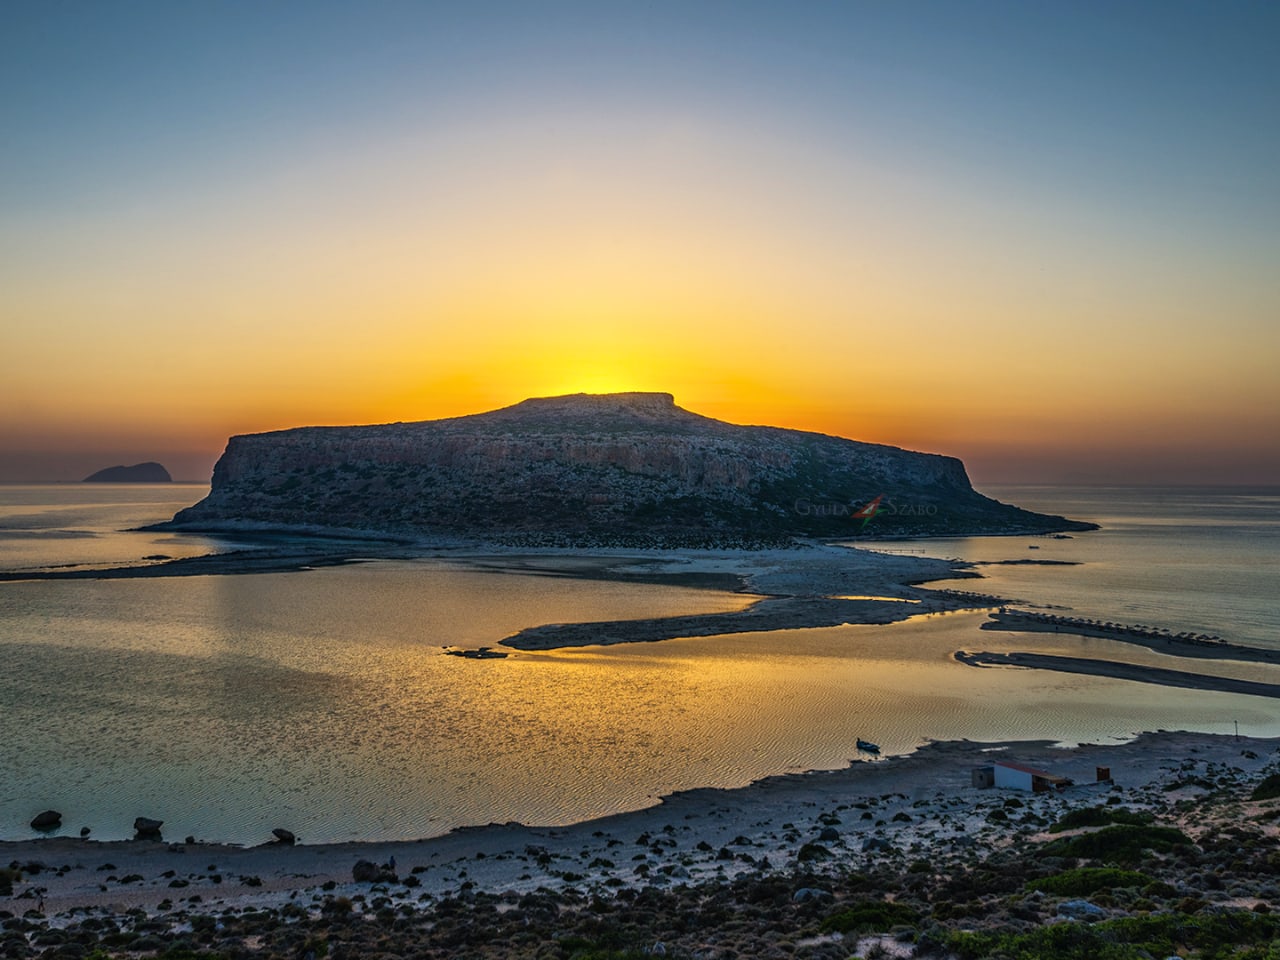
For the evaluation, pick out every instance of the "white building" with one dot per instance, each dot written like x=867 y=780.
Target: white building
x=1017 y=776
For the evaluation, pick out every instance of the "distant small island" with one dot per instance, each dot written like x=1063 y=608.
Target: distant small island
x=149 y=472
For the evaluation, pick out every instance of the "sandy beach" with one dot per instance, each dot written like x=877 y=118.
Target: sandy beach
x=921 y=804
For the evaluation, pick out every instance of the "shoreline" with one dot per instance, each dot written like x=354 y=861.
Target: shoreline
x=921 y=800
x=1117 y=670
x=805 y=585
x=1015 y=621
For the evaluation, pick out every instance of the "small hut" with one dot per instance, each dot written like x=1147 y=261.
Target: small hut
x=1018 y=776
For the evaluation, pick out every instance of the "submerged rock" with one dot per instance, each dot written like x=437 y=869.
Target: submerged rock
x=48 y=820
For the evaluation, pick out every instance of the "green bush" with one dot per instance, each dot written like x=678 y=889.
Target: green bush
x=1098 y=817
x=870 y=916
x=1122 y=843
x=1268 y=789
x=1237 y=933
x=1086 y=881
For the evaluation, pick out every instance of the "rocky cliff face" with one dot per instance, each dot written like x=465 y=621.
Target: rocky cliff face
x=626 y=466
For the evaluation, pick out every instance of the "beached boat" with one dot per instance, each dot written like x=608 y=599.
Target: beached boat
x=484 y=653
x=866 y=746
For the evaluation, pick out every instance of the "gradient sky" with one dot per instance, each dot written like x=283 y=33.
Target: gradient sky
x=1042 y=237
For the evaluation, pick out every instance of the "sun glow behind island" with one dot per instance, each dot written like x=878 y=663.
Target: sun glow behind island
x=854 y=221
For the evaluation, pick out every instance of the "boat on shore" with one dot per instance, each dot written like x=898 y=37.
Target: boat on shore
x=484 y=653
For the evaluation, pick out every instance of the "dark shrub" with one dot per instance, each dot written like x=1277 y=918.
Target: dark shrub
x=1122 y=843
x=1086 y=881
x=870 y=916
x=1098 y=817
x=1268 y=789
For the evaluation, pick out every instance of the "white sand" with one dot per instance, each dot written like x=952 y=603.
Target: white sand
x=770 y=819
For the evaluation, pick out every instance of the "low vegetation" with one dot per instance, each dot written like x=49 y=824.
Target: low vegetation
x=1245 y=936
x=1268 y=789
x=1121 y=843
x=870 y=916
x=1086 y=881
x=1099 y=817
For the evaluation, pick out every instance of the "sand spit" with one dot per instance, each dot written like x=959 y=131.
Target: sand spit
x=1120 y=671
x=1179 y=646
x=904 y=851
x=214 y=564
x=808 y=585
x=783 y=613
x=808 y=568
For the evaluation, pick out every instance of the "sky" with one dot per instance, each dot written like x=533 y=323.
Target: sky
x=1042 y=237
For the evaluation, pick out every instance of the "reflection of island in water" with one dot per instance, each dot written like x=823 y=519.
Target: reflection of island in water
x=149 y=472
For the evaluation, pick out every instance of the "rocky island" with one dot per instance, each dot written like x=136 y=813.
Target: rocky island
x=630 y=468
x=149 y=472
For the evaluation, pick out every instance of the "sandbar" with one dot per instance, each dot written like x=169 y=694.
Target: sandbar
x=1120 y=671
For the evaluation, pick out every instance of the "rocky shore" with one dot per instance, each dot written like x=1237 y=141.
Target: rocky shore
x=1177 y=854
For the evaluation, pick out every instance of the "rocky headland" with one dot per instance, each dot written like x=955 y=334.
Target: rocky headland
x=615 y=469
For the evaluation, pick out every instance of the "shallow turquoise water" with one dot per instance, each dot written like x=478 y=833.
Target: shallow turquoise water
x=321 y=700
x=1188 y=558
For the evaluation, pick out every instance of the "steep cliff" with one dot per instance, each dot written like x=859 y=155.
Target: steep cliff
x=626 y=466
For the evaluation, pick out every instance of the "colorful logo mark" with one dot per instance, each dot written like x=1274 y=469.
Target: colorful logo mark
x=869 y=511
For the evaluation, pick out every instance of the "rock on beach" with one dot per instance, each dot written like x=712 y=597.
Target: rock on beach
x=48 y=820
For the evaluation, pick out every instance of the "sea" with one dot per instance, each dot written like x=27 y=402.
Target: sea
x=322 y=701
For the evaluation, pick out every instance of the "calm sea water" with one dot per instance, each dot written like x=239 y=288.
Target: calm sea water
x=1187 y=558
x=321 y=701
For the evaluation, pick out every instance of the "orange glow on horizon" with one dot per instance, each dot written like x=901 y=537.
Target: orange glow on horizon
x=760 y=264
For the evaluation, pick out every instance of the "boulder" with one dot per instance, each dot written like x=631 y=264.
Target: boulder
x=145 y=828
x=48 y=820
x=365 y=872
x=284 y=836
x=811 y=893
x=1081 y=910
x=829 y=834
